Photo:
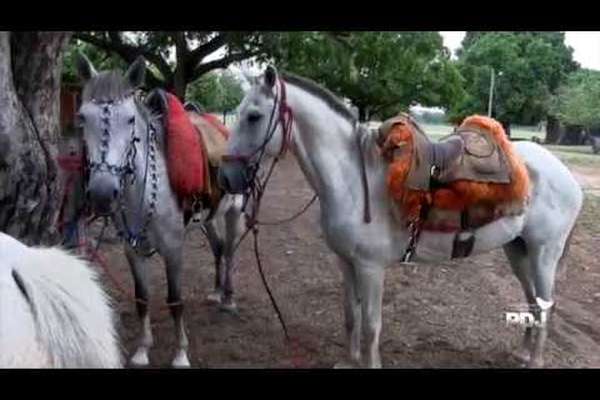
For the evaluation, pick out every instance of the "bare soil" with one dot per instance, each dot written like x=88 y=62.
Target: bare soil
x=449 y=315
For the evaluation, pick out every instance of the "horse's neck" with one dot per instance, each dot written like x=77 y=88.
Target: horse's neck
x=325 y=145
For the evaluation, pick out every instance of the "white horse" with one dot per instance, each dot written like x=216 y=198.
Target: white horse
x=53 y=311
x=324 y=138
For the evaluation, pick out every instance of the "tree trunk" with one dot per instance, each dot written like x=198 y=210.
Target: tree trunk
x=552 y=130
x=30 y=68
x=362 y=114
x=180 y=75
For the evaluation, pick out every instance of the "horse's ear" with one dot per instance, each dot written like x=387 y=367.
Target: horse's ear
x=85 y=69
x=156 y=101
x=270 y=76
x=136 y=73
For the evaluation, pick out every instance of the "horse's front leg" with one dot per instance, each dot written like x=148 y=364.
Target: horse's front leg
x=352 y=314
x=140 y=277
x=233 y=233
x=216 y=245
x=369 y=278
x=174 y=266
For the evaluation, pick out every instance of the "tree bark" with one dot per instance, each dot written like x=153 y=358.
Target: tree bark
x=30 y=69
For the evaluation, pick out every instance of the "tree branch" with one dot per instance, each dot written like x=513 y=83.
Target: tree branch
x=196 y=55
x=129 y=53
x=220 y=63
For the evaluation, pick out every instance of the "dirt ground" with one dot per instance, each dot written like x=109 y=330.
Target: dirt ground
x=450 y=315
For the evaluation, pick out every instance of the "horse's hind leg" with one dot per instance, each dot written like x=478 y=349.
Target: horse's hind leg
x=140 y=277
x=216 y=245
x=544 y=260
x=518 y=257
x=174 y=264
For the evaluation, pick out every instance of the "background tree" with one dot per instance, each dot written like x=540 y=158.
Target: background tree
x=380 y=72
x=216 y=91
x=533 y=65
x=179 y=58
x=577 y=104
x=30 y=79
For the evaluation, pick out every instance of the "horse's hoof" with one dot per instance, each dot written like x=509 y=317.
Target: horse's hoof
x=522 y=356
x=535 y=363
x=140 y=358
x=229 y=307
x=181 y=360
x=214 y=298
x=345 y=365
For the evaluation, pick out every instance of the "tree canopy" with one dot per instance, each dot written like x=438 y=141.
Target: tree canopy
x=380 y=72
x=180 y=57
x=532 y=66
x=578 y=100
x=216 y=91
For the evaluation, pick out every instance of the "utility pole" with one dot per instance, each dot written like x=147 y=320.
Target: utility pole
x=492 y=79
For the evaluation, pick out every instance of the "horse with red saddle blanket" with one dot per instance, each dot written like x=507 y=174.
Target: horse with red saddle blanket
x=150 y=166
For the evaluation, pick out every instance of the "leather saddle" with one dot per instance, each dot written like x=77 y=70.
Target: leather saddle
x=466 y=154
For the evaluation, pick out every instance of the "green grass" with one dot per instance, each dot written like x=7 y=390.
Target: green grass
x=437 y=131
x=575 y=155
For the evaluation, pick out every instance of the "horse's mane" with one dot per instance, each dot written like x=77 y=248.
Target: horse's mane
x=333 y=101
x=72 y=314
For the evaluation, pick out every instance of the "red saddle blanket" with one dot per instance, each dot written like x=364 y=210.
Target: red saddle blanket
x=186 y=160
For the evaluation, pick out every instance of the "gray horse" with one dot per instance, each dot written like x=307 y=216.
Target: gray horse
x=128 y=181
x=324 y=136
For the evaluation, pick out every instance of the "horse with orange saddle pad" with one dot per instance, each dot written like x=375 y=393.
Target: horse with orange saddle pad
x=468 y=179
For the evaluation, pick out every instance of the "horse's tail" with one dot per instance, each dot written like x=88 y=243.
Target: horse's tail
x=70 y=320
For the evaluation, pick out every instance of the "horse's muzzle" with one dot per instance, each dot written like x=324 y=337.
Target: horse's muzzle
x=102 y=193
x=233 y=176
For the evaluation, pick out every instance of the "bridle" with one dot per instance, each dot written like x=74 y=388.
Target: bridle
x=133 y=233
x=285 y=119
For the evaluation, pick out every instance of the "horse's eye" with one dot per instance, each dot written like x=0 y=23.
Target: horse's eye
x=131 y=121
x=254 y=117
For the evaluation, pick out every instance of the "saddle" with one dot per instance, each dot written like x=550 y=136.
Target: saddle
x=213 y=140
x=466 y=180
x=467 y=154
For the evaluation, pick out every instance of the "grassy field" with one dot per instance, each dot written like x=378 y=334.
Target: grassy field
x=575 y=155
x=519 y=132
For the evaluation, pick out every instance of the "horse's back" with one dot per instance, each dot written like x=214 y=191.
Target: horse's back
x=556 y=197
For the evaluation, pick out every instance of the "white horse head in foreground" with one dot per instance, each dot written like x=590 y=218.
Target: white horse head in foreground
x=53 y=311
